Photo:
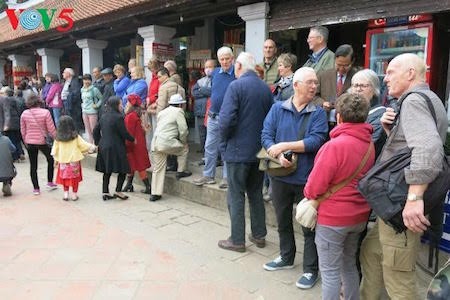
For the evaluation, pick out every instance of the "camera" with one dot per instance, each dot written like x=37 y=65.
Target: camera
x=288 y=155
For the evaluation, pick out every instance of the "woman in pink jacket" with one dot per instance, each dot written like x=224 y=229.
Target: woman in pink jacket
x=53 y=99
x=343 y=215
x=35 y=124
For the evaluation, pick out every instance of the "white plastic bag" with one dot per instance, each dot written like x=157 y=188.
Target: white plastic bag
x=306 y=213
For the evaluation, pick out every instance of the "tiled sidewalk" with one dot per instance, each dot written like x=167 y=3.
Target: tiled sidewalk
x=134 y=249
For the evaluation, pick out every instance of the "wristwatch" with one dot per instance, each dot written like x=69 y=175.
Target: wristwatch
x=414 y=197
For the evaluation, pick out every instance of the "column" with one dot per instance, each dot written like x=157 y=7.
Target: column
x=50 y=60
x=2 y=68
x=154 y=34
x=256 y=27
x=91 y=53
x=19 y=60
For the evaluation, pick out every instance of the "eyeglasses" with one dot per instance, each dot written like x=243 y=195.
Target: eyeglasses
x=312 y=37
x=343 y=66
x=360 y=85
x=310 y=82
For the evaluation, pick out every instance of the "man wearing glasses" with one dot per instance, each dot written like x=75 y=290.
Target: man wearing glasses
x=336 y=81
x=322 y=58
x=281 y=133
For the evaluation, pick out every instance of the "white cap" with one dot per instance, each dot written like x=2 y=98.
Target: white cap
x=176 y=99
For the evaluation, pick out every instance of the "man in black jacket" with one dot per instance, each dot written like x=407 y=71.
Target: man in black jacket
x=108 y=88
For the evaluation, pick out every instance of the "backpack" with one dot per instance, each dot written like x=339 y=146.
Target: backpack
x=386 y=190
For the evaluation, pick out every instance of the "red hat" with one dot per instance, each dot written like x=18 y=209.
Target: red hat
x=134 y=100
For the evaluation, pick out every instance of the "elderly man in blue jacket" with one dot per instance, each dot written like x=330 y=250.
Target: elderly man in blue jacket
x=246 y=103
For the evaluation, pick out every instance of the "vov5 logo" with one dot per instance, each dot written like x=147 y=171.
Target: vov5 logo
x=31 y=19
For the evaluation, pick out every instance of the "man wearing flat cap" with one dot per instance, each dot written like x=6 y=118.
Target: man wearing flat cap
x=170 y=138
x=108 y=88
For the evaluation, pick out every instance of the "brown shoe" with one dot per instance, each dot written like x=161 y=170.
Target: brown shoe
x=260 y=243
x=228 y=245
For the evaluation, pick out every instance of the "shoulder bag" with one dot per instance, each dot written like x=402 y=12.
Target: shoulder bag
x=306 y=212
x=272 y=165
x=386 y=190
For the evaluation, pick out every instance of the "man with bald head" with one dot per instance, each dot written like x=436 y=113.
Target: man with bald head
x=270 y=62
x=386 y=257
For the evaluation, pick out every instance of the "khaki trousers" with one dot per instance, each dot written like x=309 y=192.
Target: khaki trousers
x=389 y=259
x=159 y=163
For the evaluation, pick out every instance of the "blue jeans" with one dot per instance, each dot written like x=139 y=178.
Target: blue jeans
x=56 y=111
x=245 y=178
x=212 y=149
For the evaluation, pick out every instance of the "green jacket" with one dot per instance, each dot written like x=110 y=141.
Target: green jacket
x=271 y=72
x=325 y=62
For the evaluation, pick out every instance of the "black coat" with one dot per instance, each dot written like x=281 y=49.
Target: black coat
x=110 y=135
x=108 y=92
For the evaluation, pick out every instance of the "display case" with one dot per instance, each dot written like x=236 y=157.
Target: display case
x=383 y=44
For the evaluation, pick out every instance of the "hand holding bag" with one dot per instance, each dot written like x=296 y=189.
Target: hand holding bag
x=306 y=211
x=272 y=165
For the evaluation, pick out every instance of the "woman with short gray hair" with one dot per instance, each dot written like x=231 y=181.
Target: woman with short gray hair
x=367 y=84
x=283 y=89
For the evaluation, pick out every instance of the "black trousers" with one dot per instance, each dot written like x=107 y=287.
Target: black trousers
x=284 y=196
x=119 y=184
x=33 y=151
x=16 y=139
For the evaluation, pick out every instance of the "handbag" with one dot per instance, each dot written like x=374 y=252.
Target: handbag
x=47 y=135
x=272 y=165
x=306 y=211
x=386 y=190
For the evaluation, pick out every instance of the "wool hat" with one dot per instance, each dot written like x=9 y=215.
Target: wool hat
x=134 y=99
x=176 y=99
x=107 y=71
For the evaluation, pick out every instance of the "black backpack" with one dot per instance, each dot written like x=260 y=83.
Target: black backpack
x=385 y=188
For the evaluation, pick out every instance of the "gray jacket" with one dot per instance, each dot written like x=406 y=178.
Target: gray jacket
x=9 y=114
x=7 y=170
x=417 y=131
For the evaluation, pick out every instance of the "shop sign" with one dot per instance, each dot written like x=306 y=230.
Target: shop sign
x=163 y=52
x=395 y=21
x=30 y=19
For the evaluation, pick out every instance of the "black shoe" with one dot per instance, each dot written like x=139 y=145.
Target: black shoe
x=171 y=169
x=219 y=163
x=148 y=189
x=183 y=174
x=154 y=198
x=107 y=197
x=129 y=186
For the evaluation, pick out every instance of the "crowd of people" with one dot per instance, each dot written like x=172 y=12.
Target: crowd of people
x=323 y=121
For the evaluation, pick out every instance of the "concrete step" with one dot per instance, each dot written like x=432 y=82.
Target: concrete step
x=209 y=195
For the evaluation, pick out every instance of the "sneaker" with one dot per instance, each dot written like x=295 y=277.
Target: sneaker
x=51 y=186
x=277 y=264
x=307 y=281
x=6 y=189
x=36 y=192
x=204 y=180
x=223 y=184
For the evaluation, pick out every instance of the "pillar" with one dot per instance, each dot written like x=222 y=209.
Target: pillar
x=154 y=34
x=256 y=27
x=2 y=68
x=50 y=60
x=92 y=53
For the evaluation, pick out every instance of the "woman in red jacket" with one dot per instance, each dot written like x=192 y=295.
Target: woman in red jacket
x=137 y=153
x=343 y=215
